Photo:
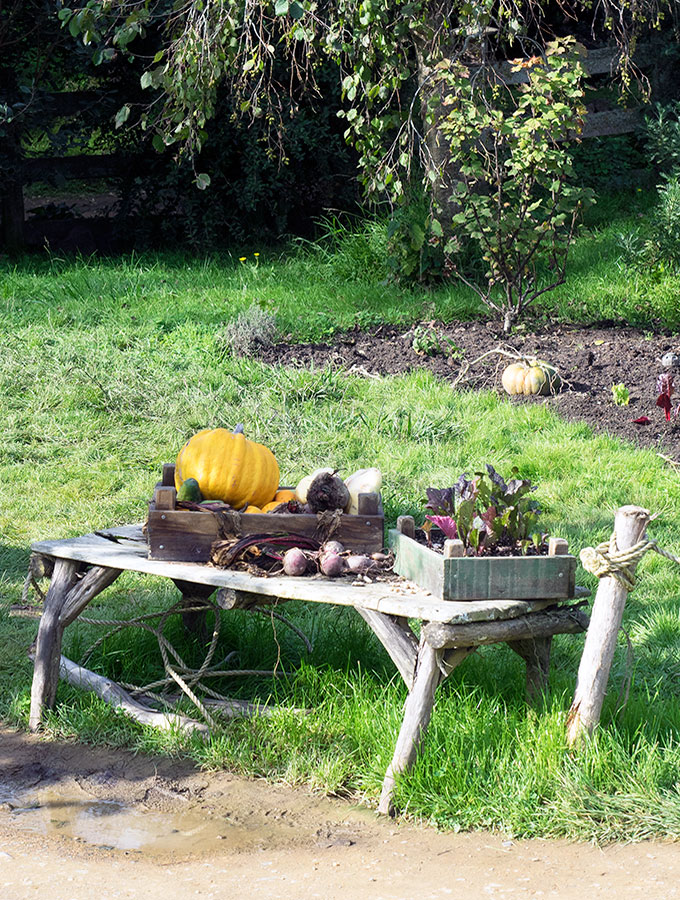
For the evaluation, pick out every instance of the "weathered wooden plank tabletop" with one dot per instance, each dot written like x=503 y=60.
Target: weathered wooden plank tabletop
x=125 y=548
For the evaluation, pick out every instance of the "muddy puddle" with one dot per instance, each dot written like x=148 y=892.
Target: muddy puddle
x=136 y=807
x=113 y=825
x=81 y=822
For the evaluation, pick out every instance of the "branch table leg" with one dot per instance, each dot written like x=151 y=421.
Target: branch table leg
x=194 y=620
x=48 y=645
x=536 y=654
x=397 y=638
x=417 y=712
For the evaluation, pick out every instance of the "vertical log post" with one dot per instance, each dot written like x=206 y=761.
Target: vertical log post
x=598 y=652
x=195 y=621
x=407 y=525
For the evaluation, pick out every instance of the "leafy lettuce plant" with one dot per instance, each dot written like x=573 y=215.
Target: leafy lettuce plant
x=486 y=512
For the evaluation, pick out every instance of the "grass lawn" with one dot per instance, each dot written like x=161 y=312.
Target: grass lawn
x=109 y=365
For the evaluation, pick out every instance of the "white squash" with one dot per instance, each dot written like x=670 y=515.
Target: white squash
x=365 y=481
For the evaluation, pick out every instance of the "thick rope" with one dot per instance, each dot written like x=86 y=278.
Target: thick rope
x=606 y=560
x=176 y=669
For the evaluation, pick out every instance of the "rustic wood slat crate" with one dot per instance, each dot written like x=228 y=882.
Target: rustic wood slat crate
x=484 y=578
x=184 y=535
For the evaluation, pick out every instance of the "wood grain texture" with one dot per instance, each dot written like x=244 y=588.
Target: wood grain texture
x=187 y=535
x=118 y=698
x=400 y=644
x=568 y=620
x=417 y=713
x=48 y=644
x=394 y=598
x=94 y=582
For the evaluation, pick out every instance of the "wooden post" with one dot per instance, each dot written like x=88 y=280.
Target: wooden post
x=48 y=644
x=194 y=620
x=368 y=504
x=407 y=525
x=598 y=652
x=454 y=549
x=165 y=498
x=168 y=477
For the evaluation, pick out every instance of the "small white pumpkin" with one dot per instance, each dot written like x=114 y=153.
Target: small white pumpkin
x=531 y=376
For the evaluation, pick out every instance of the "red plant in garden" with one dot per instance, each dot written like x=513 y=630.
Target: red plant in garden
x=664 y=388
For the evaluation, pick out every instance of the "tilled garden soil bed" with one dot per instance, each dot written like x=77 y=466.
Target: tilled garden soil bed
x=590 y=360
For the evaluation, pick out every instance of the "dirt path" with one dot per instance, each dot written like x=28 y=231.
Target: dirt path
x=79 y=823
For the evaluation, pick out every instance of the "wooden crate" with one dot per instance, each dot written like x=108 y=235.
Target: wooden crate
x=187 y=535
x=482 y=578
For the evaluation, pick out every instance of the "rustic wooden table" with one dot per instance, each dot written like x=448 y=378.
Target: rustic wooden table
x=450 y=630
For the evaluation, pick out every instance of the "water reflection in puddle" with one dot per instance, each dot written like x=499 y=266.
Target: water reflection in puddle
x=113 y=825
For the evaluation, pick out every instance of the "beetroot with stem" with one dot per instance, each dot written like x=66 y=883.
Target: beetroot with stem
x=295 y=562
x=327 y=492
x=332 y=565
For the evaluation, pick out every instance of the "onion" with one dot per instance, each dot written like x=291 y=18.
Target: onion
x=332 y=565
x=294 y=562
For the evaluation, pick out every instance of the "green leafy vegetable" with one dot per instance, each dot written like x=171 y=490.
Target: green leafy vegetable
x=486 y=512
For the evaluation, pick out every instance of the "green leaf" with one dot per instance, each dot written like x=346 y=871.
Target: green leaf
x=202 y=181
x=281 y=7
x=122 y=116
x=158 y=143
x=295 y=10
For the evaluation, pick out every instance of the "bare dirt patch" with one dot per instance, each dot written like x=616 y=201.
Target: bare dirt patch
x=219 y=836
x=590 y=360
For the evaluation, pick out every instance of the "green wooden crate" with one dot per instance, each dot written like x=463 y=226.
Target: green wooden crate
x=483 y=578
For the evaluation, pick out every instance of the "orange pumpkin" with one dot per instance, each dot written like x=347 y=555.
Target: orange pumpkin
x=228 y=467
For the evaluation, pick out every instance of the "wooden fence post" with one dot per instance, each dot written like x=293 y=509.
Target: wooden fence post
x=605 y=621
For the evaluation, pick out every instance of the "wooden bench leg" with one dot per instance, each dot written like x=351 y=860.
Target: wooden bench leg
x=48 y=645
x=417 y=712
x=194 y=621
x=397 y=638
x=432 y=668
x=536 y=653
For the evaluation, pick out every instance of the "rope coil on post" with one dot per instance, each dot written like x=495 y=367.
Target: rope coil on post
x=606 y=560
